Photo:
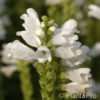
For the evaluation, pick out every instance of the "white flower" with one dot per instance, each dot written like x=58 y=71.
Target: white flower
x=72 y=55
x=17 y=50
x=2 y=31
x=33 y=32
x=8 y=71
x=95 y=51
x=32 y=23
x=5 y=53
x=32 y=35
x=52 y=2
x=43 y=54
x=30 y=38
x=94 y=11
x=66 y=33
x=74 y=87
x=79 y=75
x=68 y=51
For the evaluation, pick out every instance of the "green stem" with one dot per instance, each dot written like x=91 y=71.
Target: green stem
x=47 y=81
x=25 y=79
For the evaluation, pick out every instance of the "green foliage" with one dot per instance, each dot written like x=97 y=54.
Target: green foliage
x=62 y=12
x=25 y=78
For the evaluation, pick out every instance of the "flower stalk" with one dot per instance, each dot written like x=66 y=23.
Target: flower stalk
x=25 y=78
x=47 y=72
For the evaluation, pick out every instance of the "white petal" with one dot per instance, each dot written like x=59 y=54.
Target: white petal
x=30 y=38
x=32 y=23
x=65 y=34
x=20 y=51
x=73 y=54
x=95 y=51
x=77 y=88
x=58 y=39
x=43 y=54
x=69 y=25
x=94 y=11
x=5 y=55
x=64 y=52
x=8 y=71
x=79 y=75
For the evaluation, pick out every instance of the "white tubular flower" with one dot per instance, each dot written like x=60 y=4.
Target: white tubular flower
x=79 y=75
x=52 y=2
x=71 y=51
x=30 y=38
x=17 y=50
x=74 y=87
x=2 y=31
x=69 y=25
x=32 y=35
x=43 y=54
x=33 y=32
x=95 y=51
x=94 y=11
x=32 y=23
x=65 y=33
x=72 y=55
x=8 y=71
x=5 y=53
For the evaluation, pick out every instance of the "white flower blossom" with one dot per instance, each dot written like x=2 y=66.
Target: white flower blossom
x=81 y=80
x=30 y=38
x=43 y=54
x=74 y=87
x=95 y=50
x=63 y=45
x=32 y=23
x=94 y=11
x=10 y=68
x=72 y=54
x=17 y=50
x=65 y=33
x=52 y=2
x=79 y=75
x=5 y=53
x=8 y=71
x=32 y=35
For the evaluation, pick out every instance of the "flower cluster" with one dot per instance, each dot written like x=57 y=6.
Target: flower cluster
x=95 y=50
x=94 y=11
x=45 y=45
